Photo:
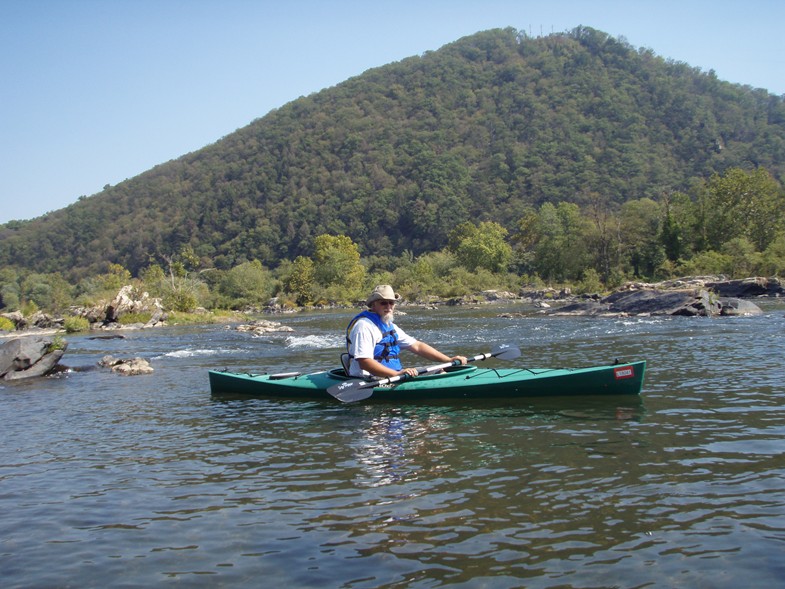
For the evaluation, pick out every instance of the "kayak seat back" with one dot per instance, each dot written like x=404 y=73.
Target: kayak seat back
x=346 y=361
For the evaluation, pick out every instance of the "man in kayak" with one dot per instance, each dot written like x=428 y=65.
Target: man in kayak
x=374 y=342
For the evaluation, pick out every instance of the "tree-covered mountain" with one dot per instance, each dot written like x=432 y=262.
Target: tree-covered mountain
x=396 y=158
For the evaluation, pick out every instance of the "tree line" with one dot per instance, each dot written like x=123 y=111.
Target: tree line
x=490 y=128
x=731 y=224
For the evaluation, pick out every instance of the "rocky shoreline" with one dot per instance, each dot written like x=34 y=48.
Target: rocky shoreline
x=704 y=296
x=40 y=353
x=693 y=297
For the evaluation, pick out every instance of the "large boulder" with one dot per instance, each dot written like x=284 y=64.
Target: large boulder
x=731 y=307
x=27 y=357
x=647 y=301
x=655 y=302
x=644 y=301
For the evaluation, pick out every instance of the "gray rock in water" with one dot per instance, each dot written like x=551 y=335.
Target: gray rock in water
x=262 y=326
x=126 y=366
x=28 y=357
x=737 y=307
x=671 y=302
x=689 y=302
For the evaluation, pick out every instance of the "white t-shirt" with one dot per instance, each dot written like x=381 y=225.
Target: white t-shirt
x=364 y=336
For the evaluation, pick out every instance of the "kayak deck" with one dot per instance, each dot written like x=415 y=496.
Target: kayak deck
x=461 y=382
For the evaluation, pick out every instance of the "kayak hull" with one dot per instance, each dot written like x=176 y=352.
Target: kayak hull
x=462 y=382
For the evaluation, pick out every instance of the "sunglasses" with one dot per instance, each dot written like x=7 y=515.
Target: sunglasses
x=385 y=303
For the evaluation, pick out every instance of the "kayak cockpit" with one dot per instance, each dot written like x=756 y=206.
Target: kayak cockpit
x=340 y=373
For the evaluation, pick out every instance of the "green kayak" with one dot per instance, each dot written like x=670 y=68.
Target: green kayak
x=455 y=382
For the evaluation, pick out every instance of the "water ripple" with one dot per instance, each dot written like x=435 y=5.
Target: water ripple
x=112 y=481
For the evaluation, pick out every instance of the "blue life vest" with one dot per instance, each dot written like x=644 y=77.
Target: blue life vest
x=387 y=349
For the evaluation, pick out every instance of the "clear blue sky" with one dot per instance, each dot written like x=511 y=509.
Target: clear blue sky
x=98 y=91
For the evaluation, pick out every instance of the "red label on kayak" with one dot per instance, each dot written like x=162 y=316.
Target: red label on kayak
x=623 y=372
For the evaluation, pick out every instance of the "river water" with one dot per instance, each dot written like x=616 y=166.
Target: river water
x=113 y=481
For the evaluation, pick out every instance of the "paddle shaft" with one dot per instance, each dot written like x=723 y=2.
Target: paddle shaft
x=356 y=390
x=427 y=369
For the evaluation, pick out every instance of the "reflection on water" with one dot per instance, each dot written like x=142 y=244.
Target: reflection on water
x=112 y=481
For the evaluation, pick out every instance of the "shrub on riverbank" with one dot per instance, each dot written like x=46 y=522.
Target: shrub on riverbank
x=76 y=324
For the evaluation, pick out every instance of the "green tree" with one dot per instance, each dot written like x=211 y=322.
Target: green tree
x=301 y=280
x=116 y=277
x=419 y=278
x=184 y=294
x=773 y=262
x=337 y=264
x=247 y=284
x=590 y=283
x=683 y=226
x=706 y=262
x=744 y=260
x=743 y=203
x=481 y=246
x=181 y=291
x=561 y=252
x=47 y=291
x=603 y=238
x=639 y=230
x=9 y=289
x=670 y=236
x=103 y=286
x=525 y=239
x=154 y=280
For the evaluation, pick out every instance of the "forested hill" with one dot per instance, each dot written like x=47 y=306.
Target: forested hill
x=395 y=158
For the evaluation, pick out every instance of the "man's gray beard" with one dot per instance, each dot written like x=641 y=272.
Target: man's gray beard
x=388 y=319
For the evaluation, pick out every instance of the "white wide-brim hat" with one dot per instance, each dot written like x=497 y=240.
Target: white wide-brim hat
x=383 y=292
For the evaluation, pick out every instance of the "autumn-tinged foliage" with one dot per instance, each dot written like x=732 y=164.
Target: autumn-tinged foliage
x=483 y=129
x=498 y=158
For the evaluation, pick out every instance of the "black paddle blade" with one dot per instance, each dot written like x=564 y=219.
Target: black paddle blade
x=506 y=352
x=351 y=396
x=350 y=391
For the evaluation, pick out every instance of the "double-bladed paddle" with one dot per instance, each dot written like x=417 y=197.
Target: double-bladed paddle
x=357 y=390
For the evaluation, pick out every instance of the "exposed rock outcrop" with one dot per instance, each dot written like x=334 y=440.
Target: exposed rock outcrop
x=129 y=300
x=37 y=321
x=747 y=288
x=646 y=301
x=688 y=302
x=498 y=295
x=27 y=357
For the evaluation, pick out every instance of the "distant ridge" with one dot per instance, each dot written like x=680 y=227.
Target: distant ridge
x=395 y=158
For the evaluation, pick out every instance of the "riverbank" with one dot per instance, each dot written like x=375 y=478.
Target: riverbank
x=695 y=295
